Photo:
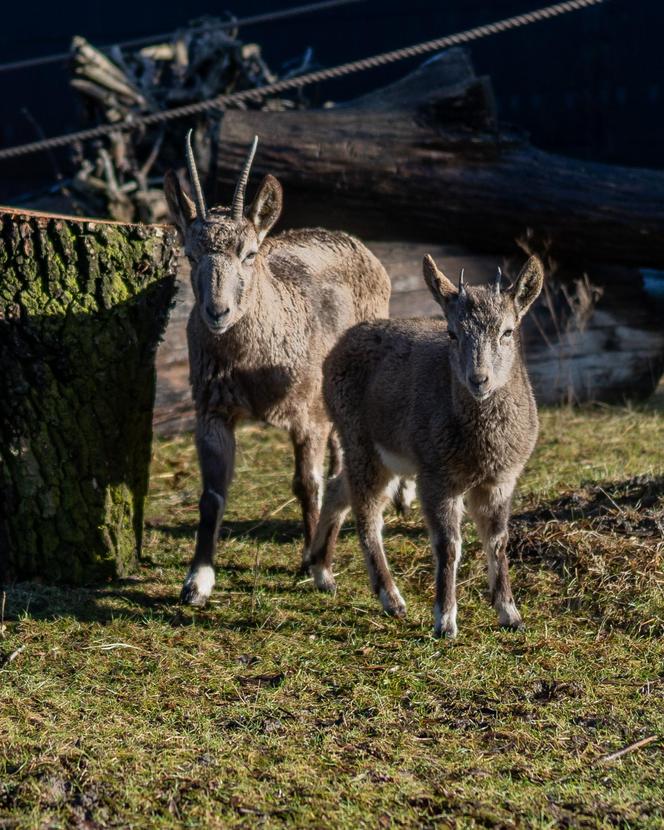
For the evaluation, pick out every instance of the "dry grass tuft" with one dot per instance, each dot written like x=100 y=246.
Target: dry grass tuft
x=606 y=541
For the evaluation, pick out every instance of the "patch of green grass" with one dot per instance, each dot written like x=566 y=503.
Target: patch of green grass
x=279 y=706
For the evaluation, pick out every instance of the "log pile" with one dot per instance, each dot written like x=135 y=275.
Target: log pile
x=83 y=305
x=582 y=342
x=425 y=161
x=121 y=178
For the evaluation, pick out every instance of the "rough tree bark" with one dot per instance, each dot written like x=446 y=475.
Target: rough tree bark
x=82 y=307
x=426 y=159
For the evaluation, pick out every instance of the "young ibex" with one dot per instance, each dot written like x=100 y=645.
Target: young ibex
x=267 y=312
x=450 y=404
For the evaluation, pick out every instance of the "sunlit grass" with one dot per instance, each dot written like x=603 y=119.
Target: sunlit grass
x=279 y=706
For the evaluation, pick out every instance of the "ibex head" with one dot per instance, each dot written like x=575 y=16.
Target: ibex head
x=222 y=244
x=483 y=323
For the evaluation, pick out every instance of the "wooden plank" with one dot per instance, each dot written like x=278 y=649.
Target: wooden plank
x=616 y=354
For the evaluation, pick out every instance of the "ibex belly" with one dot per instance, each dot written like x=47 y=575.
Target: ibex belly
x=399 y=464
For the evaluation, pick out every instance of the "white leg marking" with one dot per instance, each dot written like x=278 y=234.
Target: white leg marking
x=409 y=492
x=393 y=487
x=508 y=615
x=201 y=582
x=445 y=625
x=323 y=579
x=392 y=601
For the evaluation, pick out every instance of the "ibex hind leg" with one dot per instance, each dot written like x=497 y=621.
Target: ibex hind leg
x=490 y=508
x=215 y=443
x=309 y=447
x=404 y=496
x=336 y=505
x=370 y=492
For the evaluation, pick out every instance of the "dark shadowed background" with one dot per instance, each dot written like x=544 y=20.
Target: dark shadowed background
x=589 y=85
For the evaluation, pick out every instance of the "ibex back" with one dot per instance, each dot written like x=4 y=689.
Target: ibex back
x=267 y=312
x=448 y=403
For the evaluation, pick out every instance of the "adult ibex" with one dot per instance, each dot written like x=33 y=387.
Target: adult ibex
x=267 y=311
x=449 y=403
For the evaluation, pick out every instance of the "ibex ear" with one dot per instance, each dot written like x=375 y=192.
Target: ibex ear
x=528 y=285
x=183 y=210
x=441 y=288
x=266 y=207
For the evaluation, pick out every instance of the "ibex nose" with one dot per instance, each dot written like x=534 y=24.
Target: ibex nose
x=214 y=315
x=478 y=381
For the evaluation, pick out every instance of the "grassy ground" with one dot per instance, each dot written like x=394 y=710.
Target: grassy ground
x=278 y=706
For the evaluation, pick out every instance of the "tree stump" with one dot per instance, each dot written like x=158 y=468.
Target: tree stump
x=83 y=305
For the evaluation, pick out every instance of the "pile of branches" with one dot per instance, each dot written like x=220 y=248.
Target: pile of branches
x=120 y=176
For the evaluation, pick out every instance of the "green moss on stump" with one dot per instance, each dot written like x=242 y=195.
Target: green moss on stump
x=82 y=308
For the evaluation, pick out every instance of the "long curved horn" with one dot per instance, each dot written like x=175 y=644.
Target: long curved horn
x=462 y=285
x=195 y=181
x=497 y=280
x=237 y=211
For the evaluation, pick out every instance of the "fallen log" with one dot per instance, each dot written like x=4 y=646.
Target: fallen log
x=426 y=158
x=83 y=304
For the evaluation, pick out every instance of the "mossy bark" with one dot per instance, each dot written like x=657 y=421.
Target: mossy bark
x=83 y=305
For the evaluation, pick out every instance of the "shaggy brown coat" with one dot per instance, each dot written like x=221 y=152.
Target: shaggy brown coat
x=448 y=402
x=267 y=312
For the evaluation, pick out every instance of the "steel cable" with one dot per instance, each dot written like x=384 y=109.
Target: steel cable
x=256 y=94
x=269 y=17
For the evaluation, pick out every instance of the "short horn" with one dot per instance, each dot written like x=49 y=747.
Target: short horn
x=497 y=281
x=462 y=285
x=237 y=210
x=195 y=181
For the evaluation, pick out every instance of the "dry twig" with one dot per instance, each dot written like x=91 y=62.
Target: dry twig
x=631 y=748
x=11 y=657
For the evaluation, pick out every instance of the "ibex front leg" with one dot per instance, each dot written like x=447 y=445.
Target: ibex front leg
x=443 y=515
x=308 y=479
x=215 y=443
x=489 y=505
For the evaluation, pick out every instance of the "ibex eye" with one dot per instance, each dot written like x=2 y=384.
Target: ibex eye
x=452 y=335
x=250 y=257
x=507 y=334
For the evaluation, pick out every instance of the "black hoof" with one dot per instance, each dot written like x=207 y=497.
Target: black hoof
x=191 y=596
x=520 y=626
